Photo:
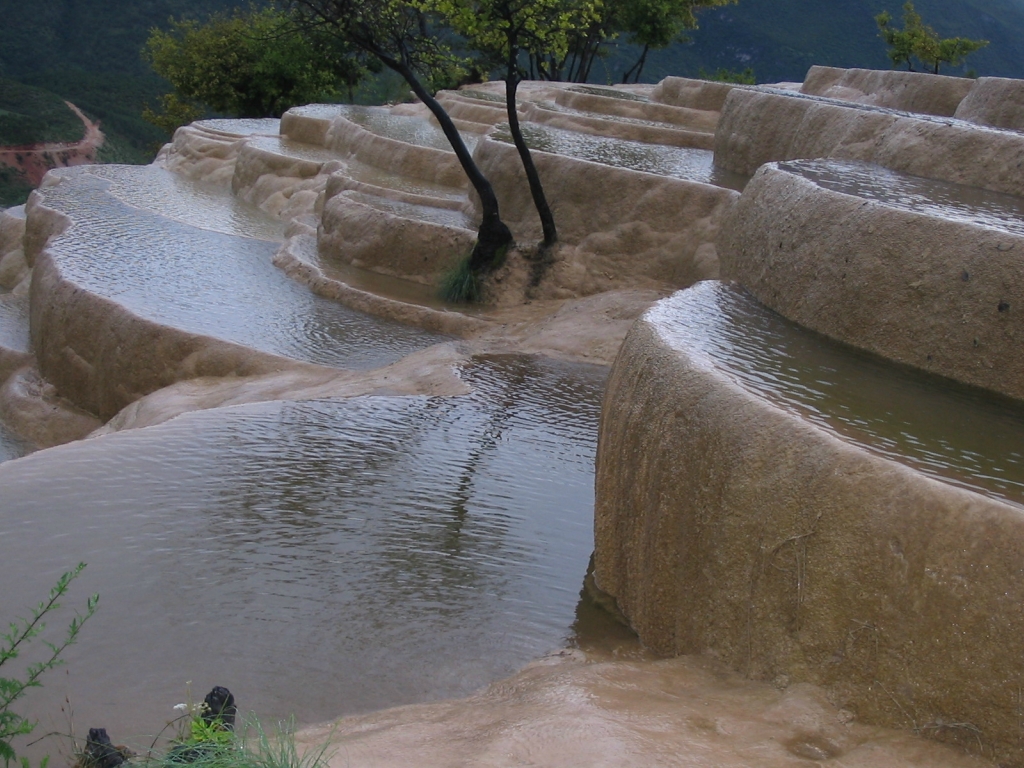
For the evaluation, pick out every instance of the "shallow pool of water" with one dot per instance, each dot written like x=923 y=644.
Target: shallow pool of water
x=189 y=201
x=318 y=558
x=382 y=178
x=445 y=217
x=14 y=329
x=259 y=126
x=961 y=435
x=407 y=128
x=203 y=280
x=279 y=145
x=930 y=197
x=677 y=162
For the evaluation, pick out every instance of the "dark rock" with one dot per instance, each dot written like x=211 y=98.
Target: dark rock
x=100 y=752
x=220 y=705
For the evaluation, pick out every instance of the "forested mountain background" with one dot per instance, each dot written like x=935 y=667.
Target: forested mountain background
x=87 y=51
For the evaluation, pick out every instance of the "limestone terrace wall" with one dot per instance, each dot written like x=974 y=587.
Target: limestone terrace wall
x=726 y=525
x=760 y=126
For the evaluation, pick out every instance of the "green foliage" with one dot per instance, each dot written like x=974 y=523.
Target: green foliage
x=917 y=40
x=255 y=63
x=400 y=34
x=460 y=284
x=20 y=634
x=14 y=188
x=211 y=745
x=29 y=115
x=723 y=75
x=647 y=24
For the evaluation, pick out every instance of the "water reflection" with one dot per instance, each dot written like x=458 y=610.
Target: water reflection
x=959 y=434
x=203 y=280
x=930 y=197
x=320 y=557
x=677 y=162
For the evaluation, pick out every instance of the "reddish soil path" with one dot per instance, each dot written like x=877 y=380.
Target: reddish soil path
x=34 y=160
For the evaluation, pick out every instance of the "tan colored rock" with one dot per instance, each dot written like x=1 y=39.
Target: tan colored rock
x=427 y=372
x=201 y=154
x=426 y=163
x=625 y=228
x=692 y=94
x=700 y=120
x=759 y=127
x=995 y=101
x=938 y=294
x=32 y=409
x=619 y=129
x=894 y=89
x=568 y=710
x=102 y=357
x=367 y=237
x=727 y=524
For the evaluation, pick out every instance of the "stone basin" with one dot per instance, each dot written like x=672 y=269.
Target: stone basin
x=319 y=557
x=207 y=282
x=188 y=289
x=801 y=510
x=922 y=271
x=675 y=162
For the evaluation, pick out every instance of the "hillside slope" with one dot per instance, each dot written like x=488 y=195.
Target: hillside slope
x=781 y=39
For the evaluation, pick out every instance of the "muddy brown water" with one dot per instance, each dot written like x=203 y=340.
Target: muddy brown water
x=955 y=433
x=318 y=558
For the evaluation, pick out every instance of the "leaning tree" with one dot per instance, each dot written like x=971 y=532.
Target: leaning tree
x=403 y=36
x=507 y=31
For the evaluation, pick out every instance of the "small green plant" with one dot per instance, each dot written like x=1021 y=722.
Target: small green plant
x=723 y=75
x=210 y=744
x=460 y=285
x=21 y=633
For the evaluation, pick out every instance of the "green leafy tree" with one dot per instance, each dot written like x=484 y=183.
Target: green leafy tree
x=503 y=31
x=405 y=37
x=254 y=63
x=20 y=634
x=918 y=40
x=649 y=24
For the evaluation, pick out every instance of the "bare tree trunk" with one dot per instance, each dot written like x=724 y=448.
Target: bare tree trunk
x=493 y=236
x=547 y=220
x=638 y=67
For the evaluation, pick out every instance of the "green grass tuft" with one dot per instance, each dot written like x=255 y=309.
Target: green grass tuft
x=459 y=285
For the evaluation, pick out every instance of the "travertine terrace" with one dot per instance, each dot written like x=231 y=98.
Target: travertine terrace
x=810 y=461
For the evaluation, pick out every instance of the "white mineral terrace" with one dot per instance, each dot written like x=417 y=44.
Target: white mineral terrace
x=769 y=385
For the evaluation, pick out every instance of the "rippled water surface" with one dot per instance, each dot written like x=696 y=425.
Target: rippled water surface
x=321 y=557
x=677 y=162
x=914 y=193
x=407 y=128
x=205 y=281
x=443 y=216
x=288 y=148
x=173 y=196
x=952 y=432
x=14 y=331
x=382 y=178
x=266 y=126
